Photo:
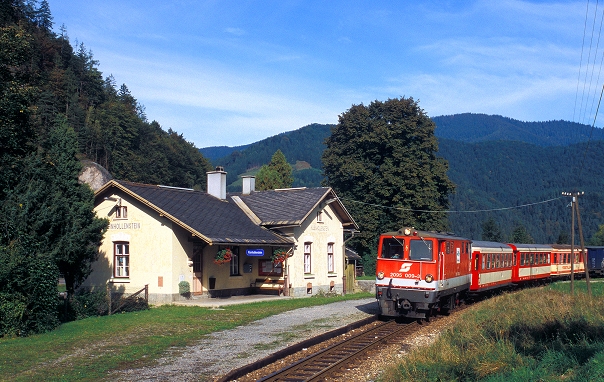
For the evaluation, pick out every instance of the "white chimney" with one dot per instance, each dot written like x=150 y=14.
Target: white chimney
x=249 y=184
x=217 y=183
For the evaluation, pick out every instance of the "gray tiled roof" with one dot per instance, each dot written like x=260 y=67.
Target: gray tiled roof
x=284 y=207
x=217 y=220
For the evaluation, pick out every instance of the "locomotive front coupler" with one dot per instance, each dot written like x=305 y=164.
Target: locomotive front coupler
x=389 y=290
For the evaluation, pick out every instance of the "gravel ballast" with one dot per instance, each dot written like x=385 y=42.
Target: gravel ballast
x=218 y=353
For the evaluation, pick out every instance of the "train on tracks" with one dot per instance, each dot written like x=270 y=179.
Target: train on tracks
x=419 y=273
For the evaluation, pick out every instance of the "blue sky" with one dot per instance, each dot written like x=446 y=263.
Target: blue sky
x=235 y=72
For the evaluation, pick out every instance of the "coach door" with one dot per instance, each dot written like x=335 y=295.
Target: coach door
x=442 y=254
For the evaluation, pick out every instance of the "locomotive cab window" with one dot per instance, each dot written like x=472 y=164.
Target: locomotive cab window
x=392 y=249
x=420 y=250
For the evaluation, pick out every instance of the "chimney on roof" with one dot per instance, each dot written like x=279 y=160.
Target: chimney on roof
x=249 y=184
x=217 y=183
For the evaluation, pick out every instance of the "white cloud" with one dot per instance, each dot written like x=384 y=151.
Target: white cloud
x=235 y=31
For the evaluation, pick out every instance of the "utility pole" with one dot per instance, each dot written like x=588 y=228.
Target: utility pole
x=575 y=207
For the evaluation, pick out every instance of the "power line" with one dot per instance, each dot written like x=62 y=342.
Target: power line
x=451 y=212
x=581 y=63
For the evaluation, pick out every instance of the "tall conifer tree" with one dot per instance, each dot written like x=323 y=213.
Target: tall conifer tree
x=277 y=174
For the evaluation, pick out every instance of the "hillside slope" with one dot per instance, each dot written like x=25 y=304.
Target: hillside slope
x=474 y=128
x=495 y=162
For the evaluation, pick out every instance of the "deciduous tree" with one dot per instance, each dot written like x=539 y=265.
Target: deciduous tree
x=598 y=237
x=381 y=160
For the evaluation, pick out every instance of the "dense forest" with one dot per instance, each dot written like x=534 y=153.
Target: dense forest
x=57 y=78
x=473 y=128
x=495 y=162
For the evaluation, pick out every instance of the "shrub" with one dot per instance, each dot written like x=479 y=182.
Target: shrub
x=87 y=303
x=184 y=288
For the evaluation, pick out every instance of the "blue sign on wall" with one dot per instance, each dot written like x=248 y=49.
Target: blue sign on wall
x=254 y=252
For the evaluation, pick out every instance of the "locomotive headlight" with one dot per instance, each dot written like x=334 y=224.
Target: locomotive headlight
x=429 y=278
x=380 y=275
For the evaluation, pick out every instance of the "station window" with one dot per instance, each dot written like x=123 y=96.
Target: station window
x=330 y=258
x=121 y=212
x=234 y=263
x=307 y=257
x=319 y=216
x=121 y=260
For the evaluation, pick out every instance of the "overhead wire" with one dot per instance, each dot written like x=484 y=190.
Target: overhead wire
x=584 y=94
x=581 y=163
x=593 y=68
x=453 y=211
x=581 y=63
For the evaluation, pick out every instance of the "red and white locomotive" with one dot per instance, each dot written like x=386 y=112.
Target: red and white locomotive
x=418 y=272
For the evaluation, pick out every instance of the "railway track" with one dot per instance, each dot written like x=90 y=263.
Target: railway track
x=333 y=361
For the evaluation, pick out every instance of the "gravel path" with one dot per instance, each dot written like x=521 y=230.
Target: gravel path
x=218 y=353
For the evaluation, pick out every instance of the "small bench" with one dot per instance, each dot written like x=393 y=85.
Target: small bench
x=269 y=286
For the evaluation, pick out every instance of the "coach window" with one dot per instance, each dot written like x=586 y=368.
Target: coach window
x=483 y=261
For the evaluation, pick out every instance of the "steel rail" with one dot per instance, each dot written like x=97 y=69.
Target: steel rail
x=318 y=366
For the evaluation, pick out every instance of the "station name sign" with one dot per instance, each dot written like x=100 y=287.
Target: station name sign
x=125 y=226
x=254 y=252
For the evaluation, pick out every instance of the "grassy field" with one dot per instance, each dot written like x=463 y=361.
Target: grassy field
x=539 y=334
x=89 y=349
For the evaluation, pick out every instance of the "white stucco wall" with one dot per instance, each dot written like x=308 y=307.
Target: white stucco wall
x=158 y=251
x=330 y=230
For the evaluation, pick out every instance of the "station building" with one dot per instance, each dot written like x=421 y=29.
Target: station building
x=288 y=241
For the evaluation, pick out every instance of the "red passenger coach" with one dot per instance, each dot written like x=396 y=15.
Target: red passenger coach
x=418 y=271
x=492 y=265
x=561 y=261
x=533 y=262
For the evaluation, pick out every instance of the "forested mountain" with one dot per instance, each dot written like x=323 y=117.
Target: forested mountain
x=473 y=128
x=496 y=175
x=496 y=163
x=217 y=152
x=302 y=148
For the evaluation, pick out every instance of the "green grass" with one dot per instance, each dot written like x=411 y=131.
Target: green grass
x=366 y=277
x=539 y=334
x=89 y=349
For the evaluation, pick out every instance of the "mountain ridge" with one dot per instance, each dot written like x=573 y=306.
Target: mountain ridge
x=496 y=163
